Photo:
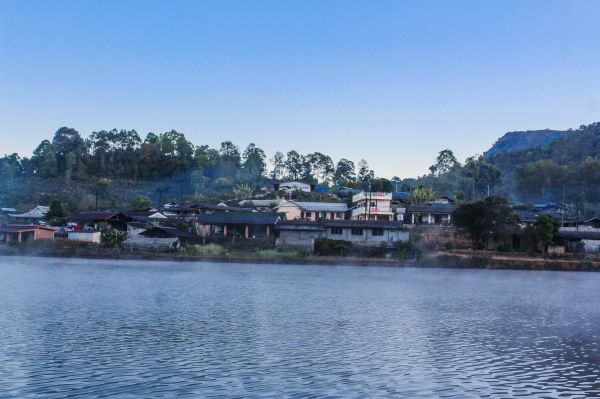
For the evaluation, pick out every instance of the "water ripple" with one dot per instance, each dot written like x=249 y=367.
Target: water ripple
x=99 y=329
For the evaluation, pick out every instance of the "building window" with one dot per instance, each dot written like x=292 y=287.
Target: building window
x=336 y=231
x=308 y=215
x=377 y=232
x=357 y=231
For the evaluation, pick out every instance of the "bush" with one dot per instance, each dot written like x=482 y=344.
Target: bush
x=412 y=249
x=203 y=250
x=113 y=238
x=275 y=254
x=327 y=247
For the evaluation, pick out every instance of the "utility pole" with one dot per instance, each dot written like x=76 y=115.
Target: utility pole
x=370 y=196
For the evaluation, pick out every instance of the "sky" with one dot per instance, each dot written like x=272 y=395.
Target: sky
x=393 y=82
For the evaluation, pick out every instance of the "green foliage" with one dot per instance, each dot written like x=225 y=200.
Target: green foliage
x=421 y=195
x=203 y=250
x=242 y=191
x=290 y=254
x=141 y=203
x=113 y=238
x=489 y=219
x=444 y=163
x=344 y=173
x=412 y=249
x=542 y=232
x=327 y=247
x=56 y=215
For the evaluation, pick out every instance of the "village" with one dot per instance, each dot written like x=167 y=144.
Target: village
x=348 y=222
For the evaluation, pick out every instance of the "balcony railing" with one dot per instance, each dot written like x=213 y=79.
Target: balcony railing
x=372 y=210
x=372 y=195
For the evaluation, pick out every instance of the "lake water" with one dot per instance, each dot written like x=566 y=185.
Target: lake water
x=94 y=328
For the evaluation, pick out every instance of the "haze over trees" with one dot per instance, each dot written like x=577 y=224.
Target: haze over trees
x=102 y=166
x=110 y=167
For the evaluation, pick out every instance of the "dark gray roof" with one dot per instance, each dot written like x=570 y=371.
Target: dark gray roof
x=264 y=218
x=168 y=231
x=301 y=225
x=365 y=224
x=194 y=205
x=97 y=215
x=403 y=196
x=439 y=208
x=368 y=224
x=579 y=235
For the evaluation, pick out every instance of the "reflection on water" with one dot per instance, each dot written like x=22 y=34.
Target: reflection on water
x=86 y=328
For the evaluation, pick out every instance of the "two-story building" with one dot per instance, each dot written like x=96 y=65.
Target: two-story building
x=361 y=233
x=372 y=206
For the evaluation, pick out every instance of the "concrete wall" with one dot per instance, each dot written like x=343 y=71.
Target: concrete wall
x=85 y=236
x=367 y=236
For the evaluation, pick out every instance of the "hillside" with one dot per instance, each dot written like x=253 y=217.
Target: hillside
x=524 y=140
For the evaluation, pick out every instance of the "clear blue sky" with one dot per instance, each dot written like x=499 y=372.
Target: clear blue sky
x=393 y=82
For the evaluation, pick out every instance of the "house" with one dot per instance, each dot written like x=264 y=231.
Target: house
x=188 y=210
x=237 y=224
x=167 y=232
x=144 y=215
x=345 y=193
x=97 y=220
x=294 y=185
x=362 y=233
x=297 y=210
x=579 y=241
x=433 y=213
x=593 y=223
x=372 y=206
x=25 y=233
x=5 y=214
x=34 y=216
x=564 y=213
x=260 y=205
x=401 y=197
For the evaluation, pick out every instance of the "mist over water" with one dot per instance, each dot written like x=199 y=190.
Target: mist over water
x=96 y=328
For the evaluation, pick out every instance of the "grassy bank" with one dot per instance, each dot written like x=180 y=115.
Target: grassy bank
x=217 y=253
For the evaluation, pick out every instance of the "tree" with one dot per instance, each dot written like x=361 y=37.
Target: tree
x=67 y=141
x=382 y=185
x=141 y=203
x=365 y=174
x=486 y=220
x=242 y=191
x=230 y=154
x=322 y=167
x=44 y=160
x=344 y=173
x=482 y=175
x=99 y=189
x=254 y=164
x=421 y=195
x=278 y=166
x=535 y=179
x=56 y=215
x=295 y=165
x=541 y=232
x=444 y=162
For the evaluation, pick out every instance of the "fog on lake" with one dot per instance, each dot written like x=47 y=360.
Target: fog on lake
x=104 y=328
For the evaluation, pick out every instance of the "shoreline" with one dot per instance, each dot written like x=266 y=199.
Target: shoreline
x=437 y=259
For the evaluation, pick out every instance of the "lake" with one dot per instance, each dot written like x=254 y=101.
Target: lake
x=102 y=328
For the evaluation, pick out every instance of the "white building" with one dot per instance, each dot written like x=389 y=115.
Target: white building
x=372 y=206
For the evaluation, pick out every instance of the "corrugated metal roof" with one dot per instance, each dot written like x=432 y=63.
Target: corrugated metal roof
x=239 y=218
x=318 y=206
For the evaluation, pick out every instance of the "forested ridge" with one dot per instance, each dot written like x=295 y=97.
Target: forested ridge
x=116 y=165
